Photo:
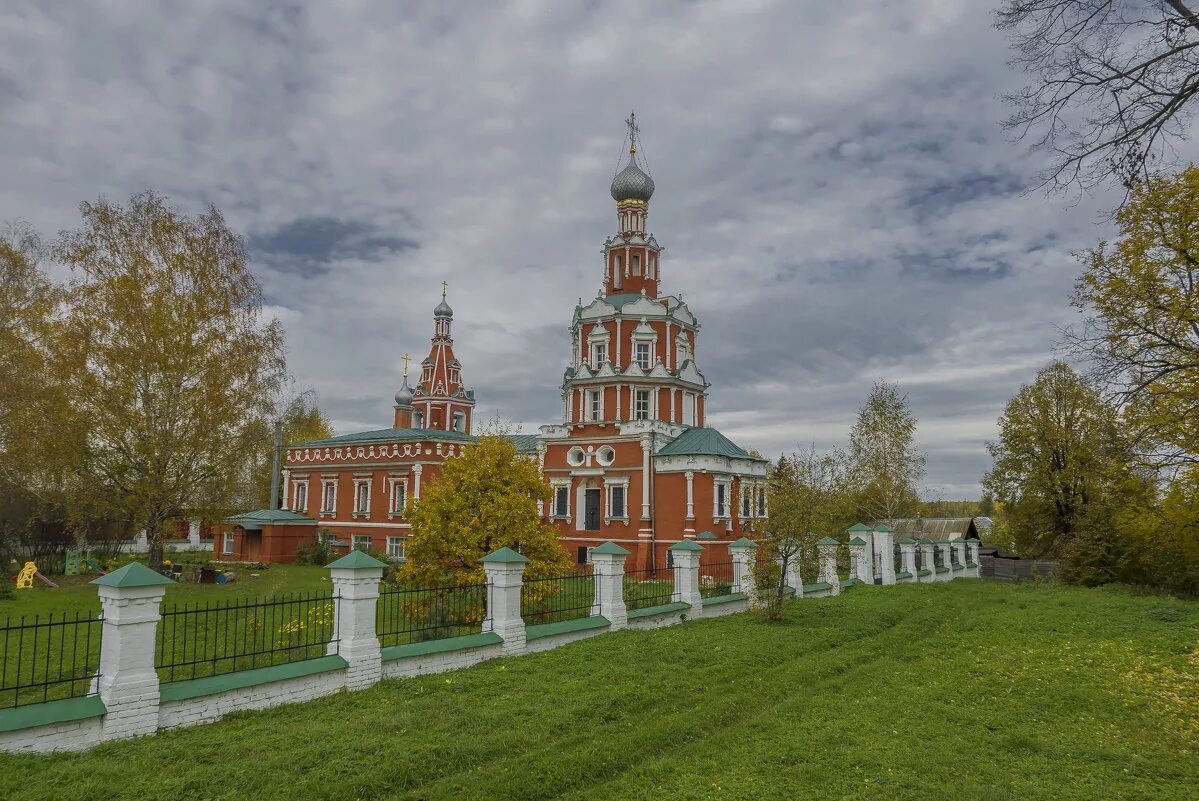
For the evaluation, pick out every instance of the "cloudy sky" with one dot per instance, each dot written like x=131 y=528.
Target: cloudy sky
x=835 y=197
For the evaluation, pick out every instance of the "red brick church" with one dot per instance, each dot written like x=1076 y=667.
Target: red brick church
x=632 y=460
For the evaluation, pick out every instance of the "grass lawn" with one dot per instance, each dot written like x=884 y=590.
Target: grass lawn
x=965 y=690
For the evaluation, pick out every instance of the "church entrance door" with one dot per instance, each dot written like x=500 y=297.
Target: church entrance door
x=591 y=515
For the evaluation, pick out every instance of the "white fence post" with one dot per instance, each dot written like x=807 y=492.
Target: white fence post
x=127 y=684
x=505 y=576
x=972 y=551
x=744 y=551
x=907 y=552
x=607 y=570
x=946 y=561
x=794 y=578
x=356 y=578
x=884 y=552
x=860 y=566
x=686 y=555
x=828 y=563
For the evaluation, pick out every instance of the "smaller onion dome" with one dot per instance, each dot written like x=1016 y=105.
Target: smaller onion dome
x=404 y=394
x=443 y=310
x=632 y=183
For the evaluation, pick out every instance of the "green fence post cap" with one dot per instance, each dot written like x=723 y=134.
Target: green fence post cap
x=134 y=574
x=858 y=527
x=827 y=541
x=686 y=545
x=857 y=541
x=705 y=535
x=505 y=555
x=608 y=547
x=744 y=542
x=909 y=541
x=973 y=539
x=355 y=559
x=883 y=527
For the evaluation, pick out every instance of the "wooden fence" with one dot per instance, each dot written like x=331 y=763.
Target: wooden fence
x=1016 y=570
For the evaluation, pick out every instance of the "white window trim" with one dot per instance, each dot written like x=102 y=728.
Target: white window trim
x=649 y=345
x=403 y=543
x=595 y=415
x=355 y=538
x=362 y=490
x=726 y=483
x=609 y=485
x=396 y=487
x=328 y=497
x=555 y=486
x=649 y=413
x=301 y=489
x=227 y=544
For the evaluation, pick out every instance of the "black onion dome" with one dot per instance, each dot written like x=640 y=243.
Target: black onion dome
x=404 y=395
x=632 y=183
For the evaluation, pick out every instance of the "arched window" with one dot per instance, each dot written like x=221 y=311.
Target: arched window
x=460 y=422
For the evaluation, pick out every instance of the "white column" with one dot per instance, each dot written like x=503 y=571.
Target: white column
x=860 y=567
x=907 y=552
x=607 y=568
x=505 y=576
x=794 y=579
x=686 y=555
x=690 y=476
x=927 y=563
x=416 y=471
x=356 y=578
x=646 y=448
x=959 y=556
x=884 y=552
x=127 y=684
x=946 y=561
x=744 y=552
x=827 y=548
x=286 y=488
x=193 y=533
x=972 y=546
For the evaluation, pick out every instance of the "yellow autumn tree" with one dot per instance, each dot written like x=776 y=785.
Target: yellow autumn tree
x=484 y=500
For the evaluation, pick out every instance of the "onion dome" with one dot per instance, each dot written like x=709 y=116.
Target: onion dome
x=443 y=310
x=632 y=183
x=404 y=394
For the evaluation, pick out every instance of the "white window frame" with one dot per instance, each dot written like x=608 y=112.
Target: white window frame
x=689 y=409
x=747 y=502
x=227 y=544
x=648 y=364
x=717 y=512
x=362 y=496
x=595 y=405
x=762 y=510
x=356 y=540
x=649 y=403
x=610 y=485
x=300 y=496
x=402 y=543
x=398 y=490
x=329 y=496
x=556 y=511
x=599 y=353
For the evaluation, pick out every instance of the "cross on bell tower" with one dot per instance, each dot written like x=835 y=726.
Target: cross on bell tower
x=631 y=258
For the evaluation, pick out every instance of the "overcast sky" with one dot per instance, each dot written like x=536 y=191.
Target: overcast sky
x=836 y=199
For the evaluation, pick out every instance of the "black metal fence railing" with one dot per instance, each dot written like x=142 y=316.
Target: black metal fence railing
x=552 y=600
x=418 y=614
x=715 y=579
x=197 y=640
x=652 y=586
x=48 y=658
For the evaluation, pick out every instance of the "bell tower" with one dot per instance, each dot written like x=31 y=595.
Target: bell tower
x=631 y=258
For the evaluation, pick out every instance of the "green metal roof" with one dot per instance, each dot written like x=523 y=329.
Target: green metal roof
x=685 y=545
x=524 y=443
x=744 y=542
x=389 y=435
x=857 y=541
x=705 y=535
x=884 y=528
x=254 y=521
x=827 y=541
x=355 y=559
x=858 y=527
x=610 y=547
x=705 y=442
x=505 y=555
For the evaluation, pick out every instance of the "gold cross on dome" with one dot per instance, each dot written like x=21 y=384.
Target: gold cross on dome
x=633 y=131
x=406 y=357
x=443 y=286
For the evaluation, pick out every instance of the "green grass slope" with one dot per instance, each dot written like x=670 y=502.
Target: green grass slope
x=966 y=690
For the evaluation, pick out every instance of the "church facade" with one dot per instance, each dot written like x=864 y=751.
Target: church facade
x=632 y=460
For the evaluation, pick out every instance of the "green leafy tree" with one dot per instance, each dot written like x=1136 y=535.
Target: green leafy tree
x=1061 y=471
x=1141 y=295
x=483 y=500
x=167 y=357
x=886 y=466
x=303 y=421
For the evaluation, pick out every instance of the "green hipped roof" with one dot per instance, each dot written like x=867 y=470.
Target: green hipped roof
x=388 y=435
x=744 y=542
x=610 y=547
x=685 y=545
x=973 y=539
x=705 y=442
x=858 y=527
x=355 y=559
x=827 y=541
x=134 y=574
x=253 y=521
x=909 y=541
x=857 y=541
x=884 y=528
x=504 y=554
x=524 y=443
x=705 y=535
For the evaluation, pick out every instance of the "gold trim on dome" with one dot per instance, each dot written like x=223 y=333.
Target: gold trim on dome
x=633 y=201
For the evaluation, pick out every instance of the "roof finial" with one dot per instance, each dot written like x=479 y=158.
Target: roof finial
x=443 y=288
x=633 y=131
x=406 y=358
